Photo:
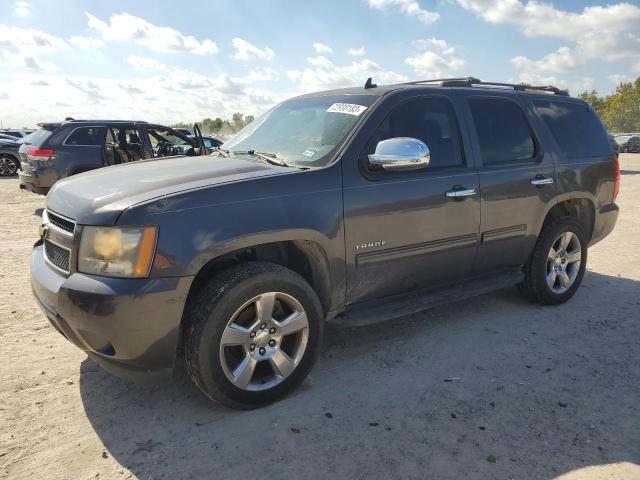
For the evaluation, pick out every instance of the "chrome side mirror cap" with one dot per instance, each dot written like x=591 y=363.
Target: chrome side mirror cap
x=400 y=153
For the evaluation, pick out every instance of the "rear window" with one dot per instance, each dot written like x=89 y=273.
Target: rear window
x=86 y=136
x=38 y=137
x=503 y=131
x=575 y=127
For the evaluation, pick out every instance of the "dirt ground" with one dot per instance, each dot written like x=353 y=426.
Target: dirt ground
x=493 y=387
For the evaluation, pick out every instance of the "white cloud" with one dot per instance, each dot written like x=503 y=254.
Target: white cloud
x=261 y=74
x=86 y=43
x=357 y=52
x=408 y=7
x=246 y=50
x=617 y=79
x=22 y=8
x=23 y=48
x=144 y=63
x=324 y=74
x=321 y=48
x=596 y=33
x=434 y=58
x=124 y=27
x=535 y=18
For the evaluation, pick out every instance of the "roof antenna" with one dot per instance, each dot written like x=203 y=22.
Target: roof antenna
x=369 y=84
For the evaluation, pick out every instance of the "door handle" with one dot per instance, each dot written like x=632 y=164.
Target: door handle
x=541 y=180
x=467 y=192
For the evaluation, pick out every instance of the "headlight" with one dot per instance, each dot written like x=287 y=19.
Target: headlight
x=117 y=251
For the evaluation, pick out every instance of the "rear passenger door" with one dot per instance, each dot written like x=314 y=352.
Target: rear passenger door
x=517 y=180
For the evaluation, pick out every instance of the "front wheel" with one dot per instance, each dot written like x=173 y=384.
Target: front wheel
x=252 y=334
x=8 y=165
x=558 y=262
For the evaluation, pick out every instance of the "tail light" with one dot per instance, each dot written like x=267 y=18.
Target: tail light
x=40 y=154
x=616 y=177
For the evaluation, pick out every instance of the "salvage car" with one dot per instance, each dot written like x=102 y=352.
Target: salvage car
x=59 y=150
x=353 y=205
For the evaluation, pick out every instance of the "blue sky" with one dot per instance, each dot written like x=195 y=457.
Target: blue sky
x=182 y=61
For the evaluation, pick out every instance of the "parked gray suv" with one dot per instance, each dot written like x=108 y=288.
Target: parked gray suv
x=353 y=205
x=59 y=150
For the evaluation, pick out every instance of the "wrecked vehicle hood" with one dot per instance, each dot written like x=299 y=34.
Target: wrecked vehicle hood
x=98 y=197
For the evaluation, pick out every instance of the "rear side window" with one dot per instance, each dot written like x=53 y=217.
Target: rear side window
x=575 y=127
x=503 y=131
x=38 y=137
x=429 y=119
x=86 y=136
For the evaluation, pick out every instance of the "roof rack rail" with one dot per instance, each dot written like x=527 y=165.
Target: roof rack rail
x=472 y=81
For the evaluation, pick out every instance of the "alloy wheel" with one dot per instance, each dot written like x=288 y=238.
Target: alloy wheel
x=7 y=166
x=264 y=341
x=563 y=262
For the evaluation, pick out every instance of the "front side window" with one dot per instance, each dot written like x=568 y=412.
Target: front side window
x=86 y=136
x=303 y=131
x=503 y=131
x=165 y=142
x=429 y=119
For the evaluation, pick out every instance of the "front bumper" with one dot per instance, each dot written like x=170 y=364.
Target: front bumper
x=605 y=221
x=129 y=326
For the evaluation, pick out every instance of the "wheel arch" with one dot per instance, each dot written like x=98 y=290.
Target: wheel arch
x=579 y=207
x=305 y=257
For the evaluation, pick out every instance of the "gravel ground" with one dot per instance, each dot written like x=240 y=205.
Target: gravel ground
x=492 y=387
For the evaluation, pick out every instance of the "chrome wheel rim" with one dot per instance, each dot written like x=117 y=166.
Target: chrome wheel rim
x=264 y=341
x=7 y=166
x=563 y=262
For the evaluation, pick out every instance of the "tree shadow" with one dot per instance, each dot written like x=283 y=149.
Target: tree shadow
x=542 y=390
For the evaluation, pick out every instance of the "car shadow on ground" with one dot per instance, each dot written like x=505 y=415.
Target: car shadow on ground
x=492 y=385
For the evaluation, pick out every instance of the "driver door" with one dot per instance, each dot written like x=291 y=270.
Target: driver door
x=406 y=230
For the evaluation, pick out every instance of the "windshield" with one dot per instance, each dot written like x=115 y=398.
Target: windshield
x=302 y=131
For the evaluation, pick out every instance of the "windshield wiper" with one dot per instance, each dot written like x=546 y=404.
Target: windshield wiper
x=271 y=158
x=221 y=151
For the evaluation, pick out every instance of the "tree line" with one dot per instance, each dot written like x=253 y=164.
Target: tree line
x=620 y=110
x=219 y=126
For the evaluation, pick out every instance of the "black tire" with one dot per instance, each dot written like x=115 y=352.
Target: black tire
x=207 y=317
x=4 y=170
x=534 y=286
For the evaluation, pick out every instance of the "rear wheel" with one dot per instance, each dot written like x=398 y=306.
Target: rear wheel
x=557 y=265
x=8 y=165
x=252 y=335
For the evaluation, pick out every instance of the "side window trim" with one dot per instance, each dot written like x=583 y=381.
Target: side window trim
x=534 y=160
x=444 y=171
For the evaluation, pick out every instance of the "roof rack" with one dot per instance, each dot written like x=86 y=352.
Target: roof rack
x=472 y=81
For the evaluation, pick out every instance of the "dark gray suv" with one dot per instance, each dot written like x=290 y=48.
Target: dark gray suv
x=352 y=205
x=59 y=150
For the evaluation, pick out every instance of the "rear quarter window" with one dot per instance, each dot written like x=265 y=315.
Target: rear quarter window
x=86 y=136
x=575 y=127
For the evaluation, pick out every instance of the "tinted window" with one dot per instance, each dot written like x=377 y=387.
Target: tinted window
x=38 y=137
x=86 y=136
x=575 y=127
x=503 y=131
x=431 y=120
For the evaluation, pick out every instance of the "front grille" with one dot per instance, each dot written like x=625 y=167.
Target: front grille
x=61 y=222
x=57 y=255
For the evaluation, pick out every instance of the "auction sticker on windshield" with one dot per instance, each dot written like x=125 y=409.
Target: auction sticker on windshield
x=349 y=108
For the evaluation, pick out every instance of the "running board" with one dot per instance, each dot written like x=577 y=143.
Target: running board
x=407 y=304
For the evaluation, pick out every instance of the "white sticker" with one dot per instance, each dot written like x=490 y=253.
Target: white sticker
x=348 y=108
x=309 y=153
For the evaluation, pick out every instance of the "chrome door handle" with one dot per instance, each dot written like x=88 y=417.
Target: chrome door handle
x=540 y=180
x=461 y=193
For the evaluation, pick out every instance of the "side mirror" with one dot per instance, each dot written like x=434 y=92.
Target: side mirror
x=400 y=153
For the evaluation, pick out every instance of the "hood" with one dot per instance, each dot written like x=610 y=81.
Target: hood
x=98 y=197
